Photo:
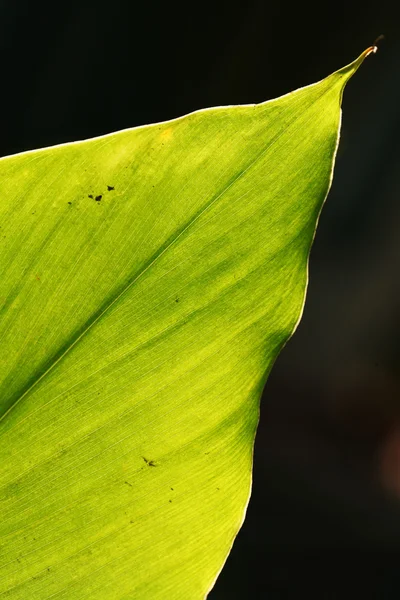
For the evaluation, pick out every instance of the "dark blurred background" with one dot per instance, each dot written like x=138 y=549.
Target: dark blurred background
x=324 y=518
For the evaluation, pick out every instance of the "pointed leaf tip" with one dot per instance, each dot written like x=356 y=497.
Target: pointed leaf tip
x=371 y=50
x=343 y=75
x=358 y=62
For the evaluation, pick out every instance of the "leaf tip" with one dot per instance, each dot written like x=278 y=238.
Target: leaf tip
x=358 y=62
x=371 y=50
x=348 y=71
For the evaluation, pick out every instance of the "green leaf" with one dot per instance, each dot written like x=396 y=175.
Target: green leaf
x=149 y=279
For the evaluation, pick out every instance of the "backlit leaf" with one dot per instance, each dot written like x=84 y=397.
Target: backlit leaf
x=149 y=279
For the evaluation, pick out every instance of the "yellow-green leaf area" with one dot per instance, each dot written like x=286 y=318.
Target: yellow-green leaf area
x=149 y=279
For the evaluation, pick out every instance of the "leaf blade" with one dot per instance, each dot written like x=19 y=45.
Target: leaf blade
x=137 y=346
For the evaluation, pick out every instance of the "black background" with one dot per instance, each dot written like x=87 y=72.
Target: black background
x=324 y=518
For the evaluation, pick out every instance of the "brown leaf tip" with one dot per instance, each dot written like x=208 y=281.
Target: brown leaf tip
x=370 y=50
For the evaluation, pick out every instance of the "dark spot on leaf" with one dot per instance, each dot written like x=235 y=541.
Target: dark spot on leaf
x=172 y=489
x=169 y=500
x=206 y=453
x=149 y=463
x=110 y=188
x=127 y=483
x=90 y=196
x=98 y=198
x=131 y=521
x=177 y=300
x=70 y=203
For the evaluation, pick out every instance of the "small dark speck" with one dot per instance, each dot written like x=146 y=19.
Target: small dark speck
x=110 y=188
x=90 y=196
x=131 y=521
x=48 y=568
x=218 y=489
x=127 y=483
x=70 y=203
x=177 y=300
x=98 y=198
x=172 y=489
x=206 y=453
x=169 y=500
